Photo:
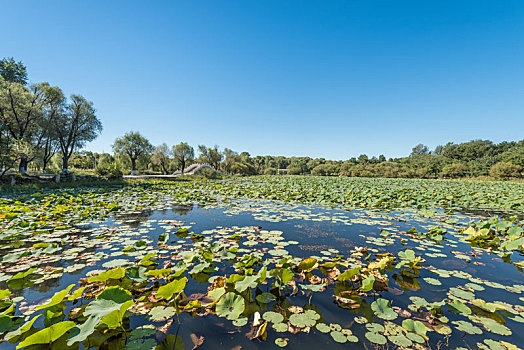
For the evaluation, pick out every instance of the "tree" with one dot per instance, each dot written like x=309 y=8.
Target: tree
x=211 y=156
x=12 y=71
x=419 y=150
x=505 y=170
x=134 y=146
x=20 y=111
x=53 y=108
x=183 y=154
x=161 y=157
x=77 y=126
x=454 y=170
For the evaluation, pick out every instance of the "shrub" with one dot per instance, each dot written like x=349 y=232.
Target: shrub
x=208 y=173
x=505 y=170
x=270 y=171
x=110 y=171
x=294 y=171
x=454 y=170
x=325 y=170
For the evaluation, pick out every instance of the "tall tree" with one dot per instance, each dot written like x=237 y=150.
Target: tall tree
x=183 y=154
x=20 y=111
x=211 y=156
x=161 y=157
x=53 y=108
x=419 y=150
x=134 y=146
x=12 y=71
x=77 y=126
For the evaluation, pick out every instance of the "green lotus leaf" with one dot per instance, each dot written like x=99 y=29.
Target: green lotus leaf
x=348 y=274
x=457 y=306
x=141 y=344
x=247 y=282
x=136 y=274
x=367 y=283
x=266 y=298
x=467 y=327
x=494 y=327
x=160 y=313
x=167 y=291
x=415 y=327
x=171 y=342
x=324 y=328
x=115 y=274
x=47 y=335
x=230 y=306
x=281 y=342
x=56 y=299
x=339 y=337
x=308 y=264
x=273 y=317
x=376 y=338
x=280 y=327
x=382 y=309
x=400 y=340
x=432 y=281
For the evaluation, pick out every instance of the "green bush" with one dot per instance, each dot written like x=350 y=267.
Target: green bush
x=270 y=171
x=505 y=170
x=208 y=173
x=110 y=171
x=454 y=170
x=294 y=170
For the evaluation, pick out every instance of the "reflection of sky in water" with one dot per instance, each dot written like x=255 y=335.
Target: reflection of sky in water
x=316 y=229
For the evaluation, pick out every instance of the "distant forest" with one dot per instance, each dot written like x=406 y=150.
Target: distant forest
x=478 y=158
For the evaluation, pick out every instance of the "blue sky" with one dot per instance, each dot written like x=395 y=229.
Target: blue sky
x=329 y=79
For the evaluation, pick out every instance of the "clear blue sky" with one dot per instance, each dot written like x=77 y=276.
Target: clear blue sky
x=329 y=79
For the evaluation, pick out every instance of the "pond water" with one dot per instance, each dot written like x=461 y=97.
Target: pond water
x=451 y=269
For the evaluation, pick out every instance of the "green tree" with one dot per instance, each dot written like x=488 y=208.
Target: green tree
x=12 y=71
x=419 y=150
x=133 y=145
x=454 y=170
x=211 y=156
x=21 y=110
x=161 y=157
x=183 y=154
x=505 y=170
x=77 y=126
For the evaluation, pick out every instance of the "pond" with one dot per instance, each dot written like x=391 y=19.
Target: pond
x=251 y=274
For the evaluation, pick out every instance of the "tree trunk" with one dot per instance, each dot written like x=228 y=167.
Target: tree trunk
x=22 y=168
x=65 y=161
x=133 y=166
x=183 y=165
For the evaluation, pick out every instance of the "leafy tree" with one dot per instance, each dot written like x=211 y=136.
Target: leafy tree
x=454 y=170
x=12 y=71
x=133 y=145
x=161 y=157
x=505 y=170
x=183 y=154
x=419 y=150
x=363 y=159
x=21 y=109
x=48 y=136
x=211 y=156
x=77 y=126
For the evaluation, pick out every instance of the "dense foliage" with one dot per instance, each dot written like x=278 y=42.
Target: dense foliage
x=37 y=121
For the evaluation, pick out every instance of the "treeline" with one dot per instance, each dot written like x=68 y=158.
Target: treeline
x=41 y=128
x=133 y=152
x=37 y=121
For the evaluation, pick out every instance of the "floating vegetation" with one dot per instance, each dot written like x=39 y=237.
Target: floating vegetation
x=140 y=266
